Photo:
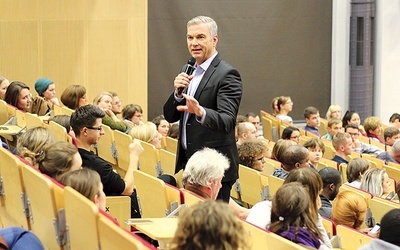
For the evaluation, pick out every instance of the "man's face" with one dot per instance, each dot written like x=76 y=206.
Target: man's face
x=116 y=105
x=315 y=155
x=354 y=133
x=93 y=133
x=215 y=187
x=313 y=120
x=348 y=147
x=254 y=120
x=305 y=162
x=251 y=132
x=391 y=140
x=201 y=44
x=336 y=128
x=335 y=191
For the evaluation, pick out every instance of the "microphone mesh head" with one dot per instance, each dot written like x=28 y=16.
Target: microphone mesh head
x=191 y=61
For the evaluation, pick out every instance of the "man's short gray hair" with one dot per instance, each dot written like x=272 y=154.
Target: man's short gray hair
x=205 y=166
x=212 y=25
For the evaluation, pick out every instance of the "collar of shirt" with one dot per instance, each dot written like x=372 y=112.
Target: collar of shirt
x=207 y=62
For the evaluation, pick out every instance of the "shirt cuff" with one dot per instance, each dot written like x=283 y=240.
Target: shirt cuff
x=201 y=119
x=178 y=99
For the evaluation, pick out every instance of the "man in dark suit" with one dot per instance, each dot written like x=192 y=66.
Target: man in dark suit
x=208 y=107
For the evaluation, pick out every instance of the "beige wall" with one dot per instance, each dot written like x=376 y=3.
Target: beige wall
x=101 y=44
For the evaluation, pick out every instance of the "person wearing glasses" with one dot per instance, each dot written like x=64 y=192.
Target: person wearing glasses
x=132 y=115
x=252 y=154
x=86 y=122
x=291 y=133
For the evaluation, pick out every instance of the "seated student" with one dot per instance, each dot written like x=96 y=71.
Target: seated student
x=4 y=83
x=173 y=132
x=260 y=213
x=19 y=239
x=246 y=131
x=332 y=181
x=116 y=103
x=31 y=143
x=316 y=150
x=19 y=96
x=162 y=125
x=59 y=158
x=104 y=102
x=239 y=120
x=74 y=96
x=358 y=146
x=334 y=111
x=293 y=157
x=391 y=134
x=252 y=154
x=343 y=145
x=291 y=218
x=147 y=132
x=87 y=182
x=390 y=226
x=311 y=114
x=373 y=127
x=255 y=119
x=376 y=182
x=355 y=171
x=86 y=123
x=291 y=133
x=393 y=155
x=334 y=127
x=132 y=114
x=47 y=89
x=209 y=225
x=279 y=147
x=285 y=106
x=349 y=209
x=394 y=120
x=352 y=117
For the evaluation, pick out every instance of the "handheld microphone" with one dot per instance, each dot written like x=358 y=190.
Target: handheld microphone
x=189 y=69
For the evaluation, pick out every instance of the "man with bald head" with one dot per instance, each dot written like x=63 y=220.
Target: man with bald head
x=246 y=131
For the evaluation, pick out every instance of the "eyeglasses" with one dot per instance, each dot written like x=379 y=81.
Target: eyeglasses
x=100 y=128
x=262 y=158
x=117 y=103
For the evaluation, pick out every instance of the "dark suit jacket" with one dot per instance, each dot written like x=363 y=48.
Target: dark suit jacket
x=219 y=93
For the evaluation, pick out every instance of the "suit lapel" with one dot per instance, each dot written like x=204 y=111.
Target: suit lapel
x=207 y=75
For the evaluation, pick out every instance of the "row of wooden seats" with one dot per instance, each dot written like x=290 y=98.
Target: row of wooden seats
x=31 y=200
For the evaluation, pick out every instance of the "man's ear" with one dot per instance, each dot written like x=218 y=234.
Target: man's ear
x=332 y=186
x=96 y=199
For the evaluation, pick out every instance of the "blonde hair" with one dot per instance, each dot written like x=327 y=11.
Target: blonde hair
x=31 y=143
x=372 y=123
x=209 y=225
x=372 y=181
x=57 y=159
x=144 y=132
x=349 y=209
x=100 y=96
x=86 y=181
x=331 y=109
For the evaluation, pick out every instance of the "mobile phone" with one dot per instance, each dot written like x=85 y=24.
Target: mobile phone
x=390 y=196
x=375 y=229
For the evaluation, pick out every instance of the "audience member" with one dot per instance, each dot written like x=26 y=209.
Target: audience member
x=17 y=238
x=132 y=114
x=260 y=213
x=147 y=132
x=87 y=125
x=285 y=106
x=393 y=155
x=334 y=127
x=349 y=209
x=59 y=158
x=394 y=120
x=162 y=125
x=87 y=182
x=279 y=147
x=31 y=143
x=332 y=181
x=291 y=218
x=391 y=134
x=358 y=146
x=209 y=225
x=275 y=109
x=3 y=87
x=293 y=157
x=252 y=154
x=390 y=226
x=334 y=112
x=373 y=127
x=376 y=182
x=343 y=145
x=239 y=119
x=47 y=89
x=104 y=102
x=173 y=132
x=255 y=119
x=355 y=171
x=246 y=131
x=74 y=96
x=316 y=150
x=352 y=117
x=291 y=133
x=311 y=114
x=19 y=96
x=116 y=103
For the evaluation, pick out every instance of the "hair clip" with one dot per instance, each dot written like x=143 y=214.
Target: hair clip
x=281 y=218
